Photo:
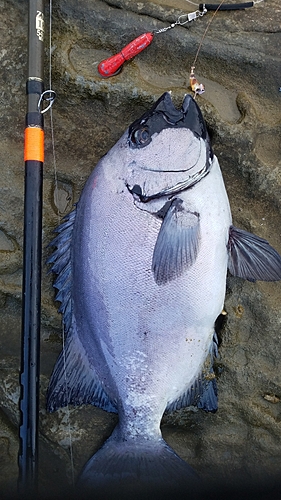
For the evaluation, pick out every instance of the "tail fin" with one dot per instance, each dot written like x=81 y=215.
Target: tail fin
x=128 y=469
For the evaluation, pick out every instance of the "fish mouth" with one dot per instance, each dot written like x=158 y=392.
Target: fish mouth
x=164 y=114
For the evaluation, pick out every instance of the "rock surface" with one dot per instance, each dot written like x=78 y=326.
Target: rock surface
x=239 y=63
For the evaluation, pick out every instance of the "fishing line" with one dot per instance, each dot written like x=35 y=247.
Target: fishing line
x=196 y=87
x=59 y=221
x=112 y=66
x=216 y=8
x=205 y=33
x=193 y=3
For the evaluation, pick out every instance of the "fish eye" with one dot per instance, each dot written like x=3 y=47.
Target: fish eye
x=141 y=137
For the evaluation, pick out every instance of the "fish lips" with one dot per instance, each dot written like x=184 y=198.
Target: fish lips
x=165 y=115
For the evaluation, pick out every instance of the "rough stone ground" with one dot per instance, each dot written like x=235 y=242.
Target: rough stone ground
x=240 y=65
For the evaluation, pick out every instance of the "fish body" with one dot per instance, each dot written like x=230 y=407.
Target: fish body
x=113 y=276
x=141 y=267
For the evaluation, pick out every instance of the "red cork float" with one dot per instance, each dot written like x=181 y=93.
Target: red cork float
x=112 y=65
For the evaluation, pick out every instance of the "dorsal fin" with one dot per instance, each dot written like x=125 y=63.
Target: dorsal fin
x=61 y=265
x=74 y=379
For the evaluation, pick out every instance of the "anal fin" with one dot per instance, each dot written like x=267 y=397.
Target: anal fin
x=203 y=392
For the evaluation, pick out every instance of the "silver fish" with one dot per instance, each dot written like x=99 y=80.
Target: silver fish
x=142 y=264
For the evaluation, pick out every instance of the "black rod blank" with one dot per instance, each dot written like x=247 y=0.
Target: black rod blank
x=32 y=254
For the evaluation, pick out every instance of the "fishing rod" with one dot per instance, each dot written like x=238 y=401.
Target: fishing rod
x=32 y=252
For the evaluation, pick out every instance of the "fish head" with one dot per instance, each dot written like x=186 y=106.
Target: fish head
x=166 y=150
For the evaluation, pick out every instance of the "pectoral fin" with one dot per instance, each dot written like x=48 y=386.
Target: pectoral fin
x=177 y=244
x=251 y=257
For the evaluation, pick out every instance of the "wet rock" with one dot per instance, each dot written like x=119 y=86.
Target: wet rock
x=239 y=64
x=8 y=455
x=6 y=244
x=62 y=197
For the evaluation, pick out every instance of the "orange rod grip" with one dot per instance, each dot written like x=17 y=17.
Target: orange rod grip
x=34 y=144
